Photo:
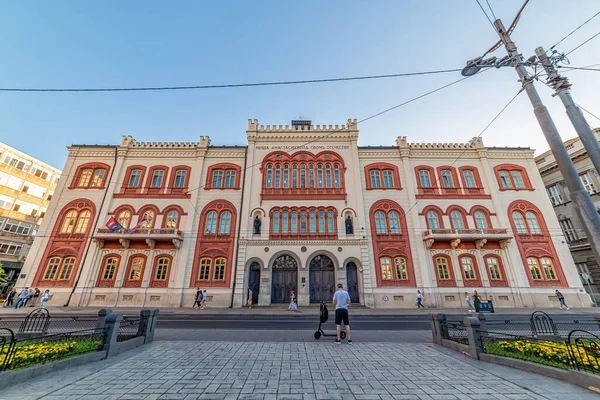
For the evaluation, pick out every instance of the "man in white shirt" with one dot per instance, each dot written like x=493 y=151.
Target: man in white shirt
x=341 y=300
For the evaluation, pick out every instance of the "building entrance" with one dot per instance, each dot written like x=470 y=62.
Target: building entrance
x=284 y=278
x=322 y=279
x=254 y=281
x=352 y=281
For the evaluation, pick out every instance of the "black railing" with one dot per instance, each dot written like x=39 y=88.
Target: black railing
x=584 y=350
x=22 y=353
x=39 y=321
x=455 y=331
x=542 y=324
x=131 y=327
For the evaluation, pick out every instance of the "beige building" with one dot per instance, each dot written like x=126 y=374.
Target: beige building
x=301 y=208
x=572 y=229
x=26 y=187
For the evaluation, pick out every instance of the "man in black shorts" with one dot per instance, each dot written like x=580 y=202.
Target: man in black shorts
x=341 y=299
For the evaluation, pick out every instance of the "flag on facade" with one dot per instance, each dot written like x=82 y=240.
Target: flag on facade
x=132 y=230
x=113 y=225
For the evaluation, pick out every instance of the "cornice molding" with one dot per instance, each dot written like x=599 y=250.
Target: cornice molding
x=287 y=243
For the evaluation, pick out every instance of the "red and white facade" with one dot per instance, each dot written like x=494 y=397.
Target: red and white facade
x=385 y=221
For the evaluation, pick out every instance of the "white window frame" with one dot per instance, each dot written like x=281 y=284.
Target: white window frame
x=555 y=195
x=588 y=182
x=568 y=229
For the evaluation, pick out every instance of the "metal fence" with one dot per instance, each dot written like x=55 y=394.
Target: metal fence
x=131 y=327
x=455 y=331
x=584 y=350
x=40 y=322
x=19 y=353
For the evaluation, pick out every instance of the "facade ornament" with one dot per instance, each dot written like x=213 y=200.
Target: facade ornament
x=257 y=224
x=177 y=243
x=454 y=244
x=480 y=243
x=349 y=227
x=429 y=243
x=151 y=243
x=504 y=244
x=124 y=243
x=99 y=243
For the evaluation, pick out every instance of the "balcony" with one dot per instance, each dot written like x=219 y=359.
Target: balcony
x=18 y=216
x=456 y=236
x=25 y=175
x=161 y=238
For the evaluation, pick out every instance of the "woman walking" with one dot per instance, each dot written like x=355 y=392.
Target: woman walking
x=293 y=305
x=10 y=298
x=419 y=300
x=476 y=300
x=469 y=304
x=45 y=298
x=249 y=297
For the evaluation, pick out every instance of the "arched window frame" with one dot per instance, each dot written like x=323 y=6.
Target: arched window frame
x=303 y=223
x=456 y=183
x=159 y=281
x=225 y=223
x=98 y=176
x=126 y=189
x=382 y=176
x=393 y=220
x=507 y=180
x=103 y=279
x=157 y=178
x=486 y=214
x=438 y=211
x=169 y=209
x=478 y=188
x=453 y=212
x=68 y=223
x=442 y=281
x=426 y=191
x=128 y=279
x=503 y=281
x=473 y=280
x=148 y=210
x=224 y=171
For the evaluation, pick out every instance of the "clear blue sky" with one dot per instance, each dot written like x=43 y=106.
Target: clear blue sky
x=152 y=43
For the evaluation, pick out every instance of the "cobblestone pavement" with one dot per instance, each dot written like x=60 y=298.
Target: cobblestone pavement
x=319 y=370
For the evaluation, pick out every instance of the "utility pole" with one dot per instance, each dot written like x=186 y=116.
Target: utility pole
x=580 y=197
x=561 y=85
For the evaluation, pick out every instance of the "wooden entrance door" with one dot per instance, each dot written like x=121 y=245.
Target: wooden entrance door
x=284 y=278
x=352 y=281
x=254 y=281
x=322 y=279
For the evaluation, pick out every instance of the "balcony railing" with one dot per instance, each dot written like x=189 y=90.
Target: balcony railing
x=453 y=233
x=166 y=233
x=19 y=216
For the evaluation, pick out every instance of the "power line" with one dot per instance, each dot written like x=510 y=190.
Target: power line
x=575 y=30
x=490 y=7
x=582 y=44
x=231 y=85
x=580 y=68
x=595 y=116
x=486 y=15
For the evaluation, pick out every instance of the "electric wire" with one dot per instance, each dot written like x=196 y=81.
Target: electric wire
x=574 y=30
x=582 y=44
x=231 y=85
x=492 y=11
x=486 y=15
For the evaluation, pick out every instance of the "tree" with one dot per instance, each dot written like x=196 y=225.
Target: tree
x=2 y=274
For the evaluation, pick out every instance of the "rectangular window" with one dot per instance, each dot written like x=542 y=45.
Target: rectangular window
x=217 y=181
x=137 y=264
x=67 y=269
x=388 y=179
x=230 y=179
x=180 y=178
x=10 y=248
x=492 y=263
x=157 y=179
x=588 y=183
x=98 y=178
x=386 y=268
x=220 y=269
x=442 y=267
x=505 y=180
x=401 y=268
x=534 y=267
x=375 y=180
x=447 y=179
x=52 y=268
x=517 y=179
x=134 y=178
x=18 y=228
x=85 y=177
x=568 y=229
x=109 y=269
x=161 y=269
x=555 y=196
x=469 y=179
x=204 y=272
x=303 y=222
x=467 y=265
x=425 y=179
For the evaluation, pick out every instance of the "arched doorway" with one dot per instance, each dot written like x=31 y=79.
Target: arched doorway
x=322 y=279
x=254 y=281
x=284 y=279
x=352 y=281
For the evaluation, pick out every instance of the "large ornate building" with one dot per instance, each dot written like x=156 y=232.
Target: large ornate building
x=301 y=207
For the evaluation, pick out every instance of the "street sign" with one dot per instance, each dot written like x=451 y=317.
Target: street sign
x=585 y=276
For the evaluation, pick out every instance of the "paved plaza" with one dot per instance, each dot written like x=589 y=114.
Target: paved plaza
x=318 y=370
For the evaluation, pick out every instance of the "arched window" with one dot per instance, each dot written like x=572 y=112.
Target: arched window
x=388 y=179
x=534 y=268
x=52 y=268
x=386 y=268
x=303 y=176
x=230 y=178
x=294 y=222
x=330 y=222
x=425 y=178
x=269 y=182
x=336 y=175
x=224 y=223
x=443 y=268
x=447 y=180
x=294 y=176
x=303 y=222
x=311 y=176
x=313 y=222
x=157 y=178
x=286 y=176
x=321 y=221
x=134 y=178
x=375 y=179
x=204 y=271
x=401 y=272
x=69 y=222
x=320 y=176
x=172 y=220
x=466 y=264
x=433 y=220
x=548 y=268
x=110 y=267
x=220 y=264
x=394 y=220
x=85 y=178
x=276 y=222
x=211 y=223
x=124 y=218
x=137 y=266
x=457 y=220
x=328 y=175
x=519 y=223
x=469 y=178
x=380 y=223
x=532 y=222
x=277 y=176
x=82 y=221
x=180 y=176
x=494 y=268
x=162 y=269
x=67 y=268
x=284 y=222
x=148 y=220
x=217 y=178
x=480 y=220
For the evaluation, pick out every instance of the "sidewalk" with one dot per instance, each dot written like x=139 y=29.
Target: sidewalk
x=282 y=310
x=302 y=371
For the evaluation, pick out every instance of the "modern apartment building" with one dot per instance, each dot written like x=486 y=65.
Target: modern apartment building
x=26 y=188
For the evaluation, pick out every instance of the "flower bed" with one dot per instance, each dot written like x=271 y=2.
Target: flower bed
x=553 y=354
x=27 y=354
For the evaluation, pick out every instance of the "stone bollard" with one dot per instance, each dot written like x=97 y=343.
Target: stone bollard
x=102 y=314
x=112 y=323
x=438 y=327
x=473 y=326
x=145 y=316
x=151 y=325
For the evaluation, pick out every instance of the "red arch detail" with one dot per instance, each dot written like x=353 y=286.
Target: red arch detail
x=444 y=282
x=108 y=282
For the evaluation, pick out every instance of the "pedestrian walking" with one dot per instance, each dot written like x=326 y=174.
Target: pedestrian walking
x=204 y=296
x=341 y=300
x=196 y=301
x=469 y=304
x=249 y=297
x=10 y=298
x=293 y=305
x=36 y=295
x=420 y=300
x=200 y=299
x=45 y=298
x=476 y=300
x=28 y=297
x=22 y=296
x=561 y=299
